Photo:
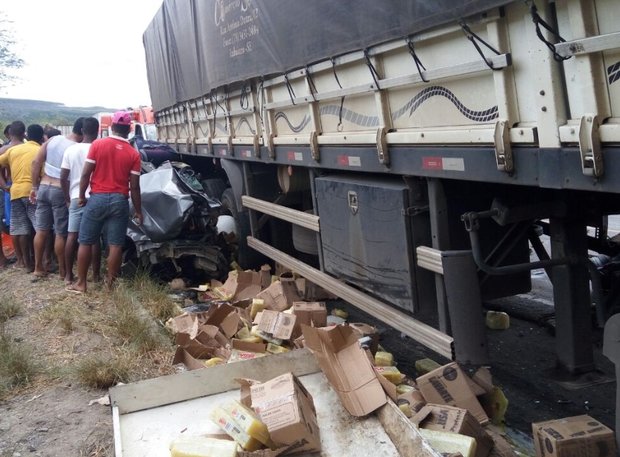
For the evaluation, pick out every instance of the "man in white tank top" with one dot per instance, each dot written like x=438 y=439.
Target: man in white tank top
x=52 y=208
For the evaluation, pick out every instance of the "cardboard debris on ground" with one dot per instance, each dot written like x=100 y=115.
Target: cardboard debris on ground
x=346 y=353
x=456 y=420
x=274 y=297
x=287 y=409
x=449 y=385
x=279 y=325
x=575 y=436
x=313 y=314
x=347 y=367
x=240 y=285
x=225 y=330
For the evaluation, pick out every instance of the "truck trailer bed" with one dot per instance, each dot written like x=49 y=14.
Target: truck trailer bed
x=149 y=414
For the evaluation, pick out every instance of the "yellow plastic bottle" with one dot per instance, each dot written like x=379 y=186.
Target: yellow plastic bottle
x=202 y=446
x=234 y=430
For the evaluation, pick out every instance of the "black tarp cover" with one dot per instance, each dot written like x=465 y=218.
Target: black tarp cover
x=194 y=46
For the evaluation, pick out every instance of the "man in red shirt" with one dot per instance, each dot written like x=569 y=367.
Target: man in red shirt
x=112 y=169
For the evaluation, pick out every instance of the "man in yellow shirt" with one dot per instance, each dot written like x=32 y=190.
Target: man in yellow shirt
x=18 y=161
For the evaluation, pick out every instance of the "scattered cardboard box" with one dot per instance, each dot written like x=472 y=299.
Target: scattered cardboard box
x=240 y=285
x=365 y=330
x=279 y=325
x=313 y=314
x=578 y=436
x=448 y=385
x=456 y=420
x=287 y=408
x=413 y=398
x=289 y=288
x=347 y=367
x=309 y=291
x=183 y=356
x=274 y=297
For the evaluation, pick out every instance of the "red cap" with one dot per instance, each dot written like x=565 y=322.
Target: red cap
x=121 y=118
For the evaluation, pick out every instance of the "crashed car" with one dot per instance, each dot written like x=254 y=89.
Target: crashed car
x=179 y=235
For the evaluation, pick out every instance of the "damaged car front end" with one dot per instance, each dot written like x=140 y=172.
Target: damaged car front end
x=179 y=236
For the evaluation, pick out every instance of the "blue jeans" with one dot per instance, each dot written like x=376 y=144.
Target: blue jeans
x=109 y=212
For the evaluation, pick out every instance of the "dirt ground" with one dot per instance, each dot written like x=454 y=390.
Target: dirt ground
x=54 y=416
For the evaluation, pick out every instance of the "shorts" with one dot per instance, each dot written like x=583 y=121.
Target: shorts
x=4 y=224
x=75 y=216
x=22 y=216
x=52 y=211
x=107 y=213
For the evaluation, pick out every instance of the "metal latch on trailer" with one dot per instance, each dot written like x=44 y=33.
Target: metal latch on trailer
x=503 y=149
x=314 y=146
x=590 y=146
x=382 y=146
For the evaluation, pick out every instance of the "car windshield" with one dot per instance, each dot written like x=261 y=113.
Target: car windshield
x=150 y=132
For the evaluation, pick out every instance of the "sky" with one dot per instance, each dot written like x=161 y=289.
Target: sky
x=80 y=53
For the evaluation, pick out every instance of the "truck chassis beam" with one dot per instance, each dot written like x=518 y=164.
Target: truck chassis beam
x=419 y=331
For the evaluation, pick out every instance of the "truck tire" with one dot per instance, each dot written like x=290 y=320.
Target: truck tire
x=304 y=240
x=229 y=203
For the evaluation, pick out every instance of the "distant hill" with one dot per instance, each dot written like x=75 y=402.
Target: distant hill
x=40 y=112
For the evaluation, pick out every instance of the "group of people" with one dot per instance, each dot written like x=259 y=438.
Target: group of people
x=74 y=188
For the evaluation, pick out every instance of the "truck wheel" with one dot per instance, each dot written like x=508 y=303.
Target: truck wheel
x=304 y=240
x=228 y=202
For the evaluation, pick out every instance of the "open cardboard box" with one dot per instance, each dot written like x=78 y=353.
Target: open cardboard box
x=448 y=385
x=347 y=367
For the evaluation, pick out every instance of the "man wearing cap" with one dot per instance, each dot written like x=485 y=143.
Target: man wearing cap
x=47 y=194
x=112 y=169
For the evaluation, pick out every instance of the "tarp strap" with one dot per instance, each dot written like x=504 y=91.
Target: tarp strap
x=311 y=84
x=471 y=36
x=371 y=67
x=214 y=103
x=291 y=92
x=416 y=59
x=244 y=101
x=261 y=99
x=538 y=21
x=339 y=126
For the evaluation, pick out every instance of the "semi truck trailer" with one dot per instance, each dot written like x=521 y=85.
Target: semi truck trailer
x=409 y=155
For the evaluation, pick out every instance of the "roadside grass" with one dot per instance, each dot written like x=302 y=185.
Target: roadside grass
x=8 y=308
x=101 y=372
x=153 y=296
x=98 y=340
x=18 y=365
x=65 y=314
x=133 y=324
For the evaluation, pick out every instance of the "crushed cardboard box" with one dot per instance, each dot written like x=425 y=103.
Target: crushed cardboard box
x=240 y=285
x=274 y=297
x=577 y=436
x=347 y=367
x=449 y=385
x=456 y=420
x=287 y=408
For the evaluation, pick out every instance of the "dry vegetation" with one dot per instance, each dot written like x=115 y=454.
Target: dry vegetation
x=50 y=337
